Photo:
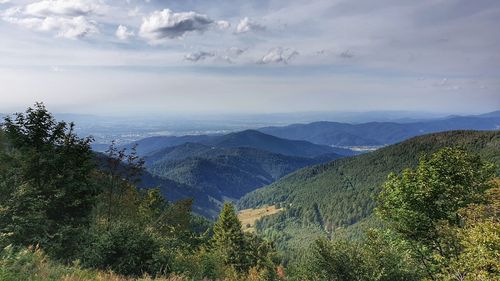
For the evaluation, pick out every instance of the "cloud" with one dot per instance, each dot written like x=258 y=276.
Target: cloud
x=72 y=28
x=222 y=24
x=234 y=52
x=278 y=55
x=4 y=1
x=224 y=55
x=71 y=8
x=198 y=56
x=167 y=24
x=246 y=25
x=347 y=54
x=123 y=33
x=65 y=18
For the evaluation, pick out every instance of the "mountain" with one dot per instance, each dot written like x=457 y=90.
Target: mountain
x=150 y=145
x=214 y=168
x=210 y=175
x=494 y=114
x=322 y=198
x=259 y=140
x=379 y=133
x=248 y=138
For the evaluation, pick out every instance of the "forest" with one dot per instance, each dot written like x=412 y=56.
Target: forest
x=68 y=213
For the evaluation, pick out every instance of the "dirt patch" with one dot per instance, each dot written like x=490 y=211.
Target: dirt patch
x=248 y=217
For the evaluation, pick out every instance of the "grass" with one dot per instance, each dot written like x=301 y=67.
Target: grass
x=248 y=217
x=33 y=265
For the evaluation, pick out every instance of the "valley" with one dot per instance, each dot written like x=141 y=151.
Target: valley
x=268 y=140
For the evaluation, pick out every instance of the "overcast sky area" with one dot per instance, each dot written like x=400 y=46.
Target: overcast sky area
x=264 y=56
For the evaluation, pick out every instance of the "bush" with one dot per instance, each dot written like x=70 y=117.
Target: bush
x=126 y=249
x=32 y=264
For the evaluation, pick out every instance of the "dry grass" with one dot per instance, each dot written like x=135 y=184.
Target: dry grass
x=248 y=217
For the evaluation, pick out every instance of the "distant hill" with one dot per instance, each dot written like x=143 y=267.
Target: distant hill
x=259 y=140
x=322 y=198
x=150 y=145
x=494 y=114
x=215 y=168
x=248 y=138
x=380 y=133
x=211 y=175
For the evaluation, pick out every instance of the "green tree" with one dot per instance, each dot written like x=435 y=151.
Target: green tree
x=376 y=257
x=229 y=239
x=479 y=239
x=47 y=169
x=422 y=205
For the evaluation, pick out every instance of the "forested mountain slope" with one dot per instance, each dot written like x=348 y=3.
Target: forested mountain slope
x=379 y=133
x=211 y=175
x=327 y=196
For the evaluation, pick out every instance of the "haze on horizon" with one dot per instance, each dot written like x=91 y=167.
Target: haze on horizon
x=265 y=56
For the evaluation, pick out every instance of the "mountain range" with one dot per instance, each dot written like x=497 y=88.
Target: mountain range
x=247 y=138
x=380 y=133
x=214 y=169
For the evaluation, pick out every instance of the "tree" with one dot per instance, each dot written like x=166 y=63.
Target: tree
x=229 y=238
x=423 y=204
x=479 y=239
x=47 y=169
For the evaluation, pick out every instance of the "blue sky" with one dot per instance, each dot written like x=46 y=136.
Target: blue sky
x=265 y=56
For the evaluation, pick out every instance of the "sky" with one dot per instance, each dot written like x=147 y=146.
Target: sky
x=242 y=56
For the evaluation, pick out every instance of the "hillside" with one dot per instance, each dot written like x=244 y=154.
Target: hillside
x=150 y=145
x=211 y=175
x=249 y=138
x=259 y=140
x=338 y=194
x=379 y=133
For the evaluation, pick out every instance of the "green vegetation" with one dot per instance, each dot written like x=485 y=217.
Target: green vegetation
x=67 y=214
x=220 y=174
x=442 y=223
x=431 y=208
x=324 y=199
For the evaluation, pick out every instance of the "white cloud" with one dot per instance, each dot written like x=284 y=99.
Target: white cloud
x=222 y=24
x=65 y=18
x=278 y=55
x=234 y=52
x=198 y=56
x=167 y=24
x=73 y=8
x=72 y=28
x=4 y=1
x=134 y=12
x=123 y=33
x=246 y=25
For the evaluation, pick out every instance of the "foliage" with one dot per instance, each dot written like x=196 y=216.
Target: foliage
x=229 y=239
x=319 y=200
x=46 y=193
x=126 y=249
x=432 y=193
x=426 y=206
x=85 y=208
x=238 y=250
x=377 y=257
x=479 y=239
